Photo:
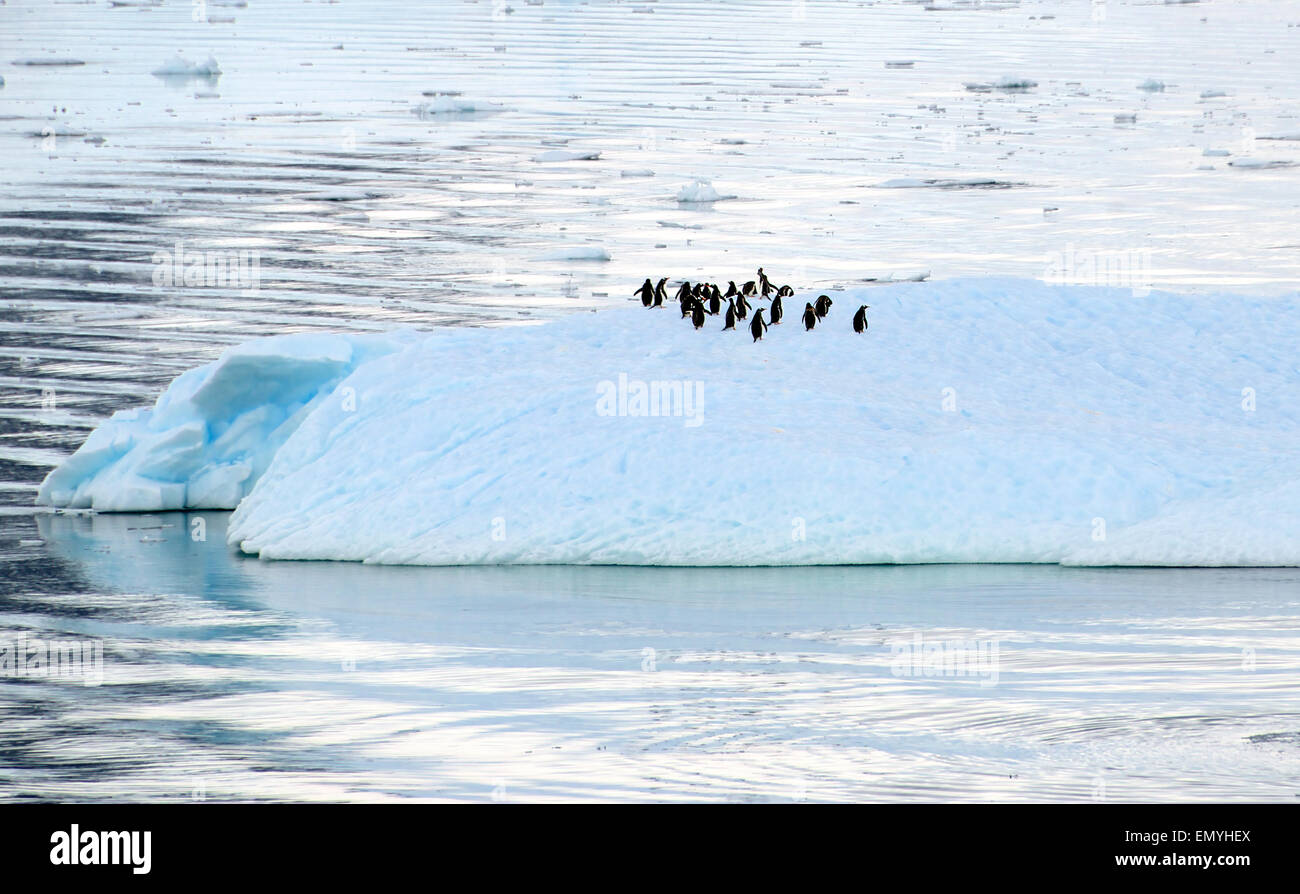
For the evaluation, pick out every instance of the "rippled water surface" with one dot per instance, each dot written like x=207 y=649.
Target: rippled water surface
x=857 y=143
x=235 y=678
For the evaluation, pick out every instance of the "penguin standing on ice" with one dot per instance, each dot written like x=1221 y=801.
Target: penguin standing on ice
x=731 y=289
x=778 y=309
x=757 y=326
x=823 y=306
x=860 y=319
x=684 y=290
x=697 y=315
x=687 y=303
x=742 y=307
x=748 y=289
x=731 y=315
x=809 y=317
x=764 y=284
x=660 y=295
x=715 y=302
x=647 y=293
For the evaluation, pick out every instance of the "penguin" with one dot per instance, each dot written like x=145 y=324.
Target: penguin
x=698 y=290
x=742 y=307
x=647 y=293
x=823 y=306
x=778 y=310
x=660 y=295
x=764 y=284
x=715 y=302
x=687 y=303
x=757 y=326
x=809 y=317
x=748 y=288
x=784 y=292
x=731 y=289
x=684 y=289
x=860 y=319
x=697 y=315
x=731 y=315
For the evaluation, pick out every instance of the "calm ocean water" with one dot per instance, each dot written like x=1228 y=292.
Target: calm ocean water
x=854 y=149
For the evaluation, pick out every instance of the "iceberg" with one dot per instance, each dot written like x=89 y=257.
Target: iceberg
x=700 y=191
x=180 y=67
x=451 y=105
x=976 y=420
x=553 y=155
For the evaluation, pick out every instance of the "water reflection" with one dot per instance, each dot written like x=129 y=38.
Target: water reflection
x=254 y=679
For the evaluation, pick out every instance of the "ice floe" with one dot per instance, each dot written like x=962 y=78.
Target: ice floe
x=978 y=420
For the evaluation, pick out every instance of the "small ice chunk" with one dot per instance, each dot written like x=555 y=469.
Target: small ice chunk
x=566 y=155
x=700 y=191
x=1261 y=163
x=179 y=67
x=450 y=104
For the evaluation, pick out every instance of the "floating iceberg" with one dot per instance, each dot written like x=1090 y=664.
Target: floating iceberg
x=978 y=420
x=700 y=191
x=452 y=105
x=179 y=67
x=566 y=155
x=1010 y=83
x=1262 y=163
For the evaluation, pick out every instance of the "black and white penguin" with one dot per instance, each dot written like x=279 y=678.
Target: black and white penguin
x=647 y=293
x=697 y=315
x=715 y=301
x=731 y=315
x=764 y=284
x=687 y=303
x=660 y=295
x=748 y=288
x=684 y=289
x=809 y=317
x=823 y=306
x=757 y=326
x=742 y=307
x=784 y=292
x=778 y=310
x=731 y=289
x=860 y=319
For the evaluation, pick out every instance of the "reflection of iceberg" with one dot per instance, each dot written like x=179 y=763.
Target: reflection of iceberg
x=980 y=420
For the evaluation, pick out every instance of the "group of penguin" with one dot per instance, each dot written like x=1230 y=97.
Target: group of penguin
x=702 y=299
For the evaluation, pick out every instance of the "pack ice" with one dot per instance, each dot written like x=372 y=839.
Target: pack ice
x=978 y=420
